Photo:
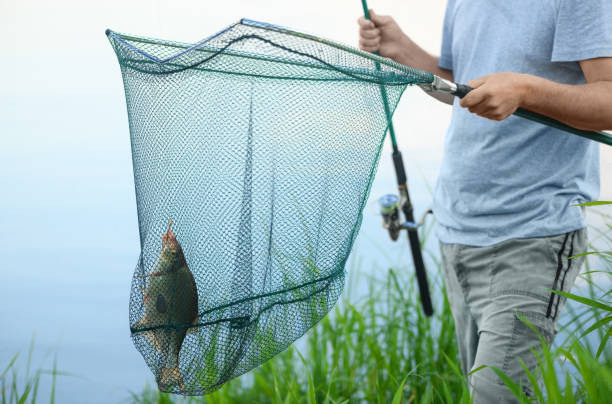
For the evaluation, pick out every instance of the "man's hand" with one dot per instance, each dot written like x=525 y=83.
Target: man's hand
x=584 y=106
x=496 y=96
x=381 y=33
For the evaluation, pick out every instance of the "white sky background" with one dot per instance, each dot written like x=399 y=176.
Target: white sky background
x=59 y=47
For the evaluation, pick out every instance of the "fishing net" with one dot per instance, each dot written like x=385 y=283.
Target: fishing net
x=253 y=154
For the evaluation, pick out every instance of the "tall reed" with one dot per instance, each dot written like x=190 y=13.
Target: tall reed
x=381 y=350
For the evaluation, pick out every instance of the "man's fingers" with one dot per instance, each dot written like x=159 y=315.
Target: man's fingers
x=368 y=48
x=369 y=33
x=365 y=24
x=481 y=109
x=495 y=115
x=379 y=19
x=369 y=43
x=477 y=82
x=486 y=109
x=472 y=98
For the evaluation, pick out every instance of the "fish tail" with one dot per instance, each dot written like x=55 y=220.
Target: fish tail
x=170 y=377
x=195 y=327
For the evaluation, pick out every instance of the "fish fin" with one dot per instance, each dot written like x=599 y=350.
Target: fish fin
x=143 y=322
x=149 y=335
x=155 y=342
x=158 y=273
x=191 y=330
x=170 y=377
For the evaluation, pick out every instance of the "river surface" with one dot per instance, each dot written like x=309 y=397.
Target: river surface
x=70 y=239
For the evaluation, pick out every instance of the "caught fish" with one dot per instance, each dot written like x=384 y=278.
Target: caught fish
x=171 y=308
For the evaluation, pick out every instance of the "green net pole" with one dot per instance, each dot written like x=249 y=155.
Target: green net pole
x=383 y=91
x=406 y=204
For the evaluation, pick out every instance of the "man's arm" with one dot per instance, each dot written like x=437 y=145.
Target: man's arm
x=381 y=33
x=587 y=106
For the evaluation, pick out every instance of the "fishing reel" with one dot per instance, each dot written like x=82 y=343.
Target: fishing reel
x=390 y=207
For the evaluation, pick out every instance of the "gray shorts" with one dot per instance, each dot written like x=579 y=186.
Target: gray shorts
x=487 y=286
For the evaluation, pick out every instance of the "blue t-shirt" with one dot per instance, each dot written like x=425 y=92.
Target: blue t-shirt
x=516 y=178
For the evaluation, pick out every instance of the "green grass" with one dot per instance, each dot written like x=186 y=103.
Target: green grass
x=381 y=349
x=22 y=387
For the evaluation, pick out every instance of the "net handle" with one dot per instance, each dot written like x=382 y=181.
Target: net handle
x=383 y=91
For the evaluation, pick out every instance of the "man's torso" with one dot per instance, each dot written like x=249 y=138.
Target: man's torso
x=515 y=178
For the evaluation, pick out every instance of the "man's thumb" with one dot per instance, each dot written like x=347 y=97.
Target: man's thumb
x=378 y=19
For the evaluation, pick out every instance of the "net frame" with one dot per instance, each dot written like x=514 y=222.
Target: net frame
x=229 y=340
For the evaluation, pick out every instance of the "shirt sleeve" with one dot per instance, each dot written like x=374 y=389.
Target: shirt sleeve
x=446 y=55
x=583 y=30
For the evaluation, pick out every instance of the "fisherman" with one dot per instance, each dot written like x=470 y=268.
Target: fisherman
x=505 y=200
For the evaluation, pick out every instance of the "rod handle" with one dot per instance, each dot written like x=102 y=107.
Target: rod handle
x=462 y=90
x=421 y=273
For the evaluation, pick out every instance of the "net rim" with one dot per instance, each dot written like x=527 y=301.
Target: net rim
x=185 y=47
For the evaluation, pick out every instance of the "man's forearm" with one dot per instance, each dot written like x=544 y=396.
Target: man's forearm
x=587 y=106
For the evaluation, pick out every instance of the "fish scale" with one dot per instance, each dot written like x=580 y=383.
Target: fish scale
x=171 y=308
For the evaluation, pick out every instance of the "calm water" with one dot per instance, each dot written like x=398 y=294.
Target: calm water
x=70 y=242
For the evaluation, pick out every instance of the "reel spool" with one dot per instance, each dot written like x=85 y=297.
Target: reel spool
x=390 y=210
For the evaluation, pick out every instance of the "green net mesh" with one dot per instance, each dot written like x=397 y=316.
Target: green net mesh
x=253 y=153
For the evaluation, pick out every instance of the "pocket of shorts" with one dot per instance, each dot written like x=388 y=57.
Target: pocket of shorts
x=523 y=267
x=522 y=342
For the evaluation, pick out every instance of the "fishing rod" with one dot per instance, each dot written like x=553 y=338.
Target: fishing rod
x=391 y=204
